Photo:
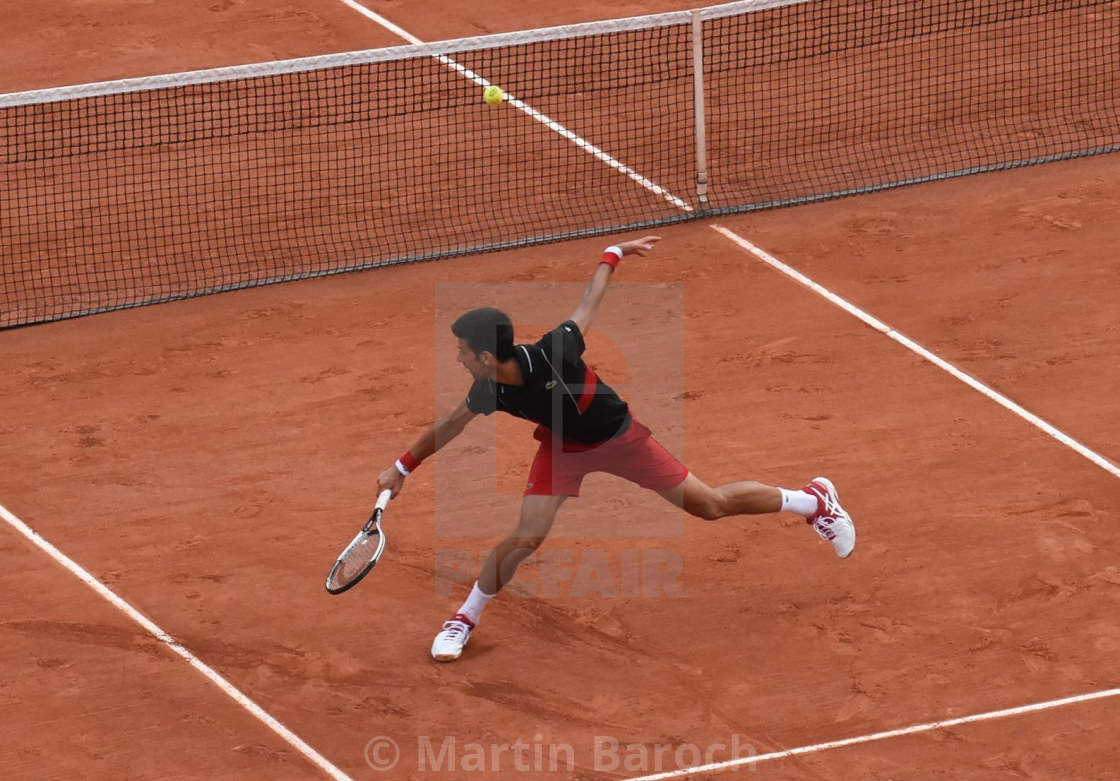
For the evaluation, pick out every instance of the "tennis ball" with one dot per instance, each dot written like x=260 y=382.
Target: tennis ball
x=493 y=95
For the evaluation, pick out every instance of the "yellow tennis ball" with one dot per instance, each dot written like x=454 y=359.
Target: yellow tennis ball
x=493 y=95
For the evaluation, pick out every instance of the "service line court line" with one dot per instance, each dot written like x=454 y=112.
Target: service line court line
x=175 y=646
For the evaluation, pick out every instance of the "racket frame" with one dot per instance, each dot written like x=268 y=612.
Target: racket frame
x=372 y=525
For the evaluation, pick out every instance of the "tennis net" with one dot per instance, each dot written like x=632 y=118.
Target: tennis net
x=132 y=192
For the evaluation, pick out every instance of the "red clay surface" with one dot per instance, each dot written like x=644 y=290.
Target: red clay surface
x=206 y=458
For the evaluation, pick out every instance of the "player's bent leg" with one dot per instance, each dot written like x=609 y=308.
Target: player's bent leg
x=537 y=515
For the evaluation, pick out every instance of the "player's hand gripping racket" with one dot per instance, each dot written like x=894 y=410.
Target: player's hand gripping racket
x=358 y=558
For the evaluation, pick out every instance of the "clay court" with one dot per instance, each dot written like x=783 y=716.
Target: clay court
x=204 y=460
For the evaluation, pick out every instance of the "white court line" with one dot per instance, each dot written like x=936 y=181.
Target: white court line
x=894 y=733
x=400 y=32
x=175 y=646
x=913 y=346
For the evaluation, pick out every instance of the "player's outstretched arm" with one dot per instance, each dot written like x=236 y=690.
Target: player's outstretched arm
x=602 y=277
x=438 y=434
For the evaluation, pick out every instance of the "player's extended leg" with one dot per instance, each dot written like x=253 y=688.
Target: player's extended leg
x=742 y=498
x=537 y=515
x=817 y=503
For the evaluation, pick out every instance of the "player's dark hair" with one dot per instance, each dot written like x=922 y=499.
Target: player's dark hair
x=486 y=330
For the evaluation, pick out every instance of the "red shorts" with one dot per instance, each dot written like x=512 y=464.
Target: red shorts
x=633 y=455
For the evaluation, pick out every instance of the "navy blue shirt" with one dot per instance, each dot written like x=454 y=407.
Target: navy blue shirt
x=559 y=391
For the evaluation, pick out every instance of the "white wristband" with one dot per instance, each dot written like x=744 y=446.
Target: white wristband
x=401 y=469
x=616 y=250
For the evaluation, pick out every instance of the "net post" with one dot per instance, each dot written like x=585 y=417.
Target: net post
x=698 y=97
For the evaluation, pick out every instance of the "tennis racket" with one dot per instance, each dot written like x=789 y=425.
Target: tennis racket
x=358 y=558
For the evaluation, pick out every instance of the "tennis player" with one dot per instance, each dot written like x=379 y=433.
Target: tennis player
x=582 y=426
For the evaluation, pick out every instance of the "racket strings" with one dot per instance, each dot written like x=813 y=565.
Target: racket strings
x=356 y=558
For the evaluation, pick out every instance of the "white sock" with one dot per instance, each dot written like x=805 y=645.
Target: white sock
x=800 y=502
x=472 y=608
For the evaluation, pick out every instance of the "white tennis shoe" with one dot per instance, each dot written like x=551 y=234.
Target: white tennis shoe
x=449 y=643
x=831 y=521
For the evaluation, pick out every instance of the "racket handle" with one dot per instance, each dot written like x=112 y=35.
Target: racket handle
x=383 y=499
